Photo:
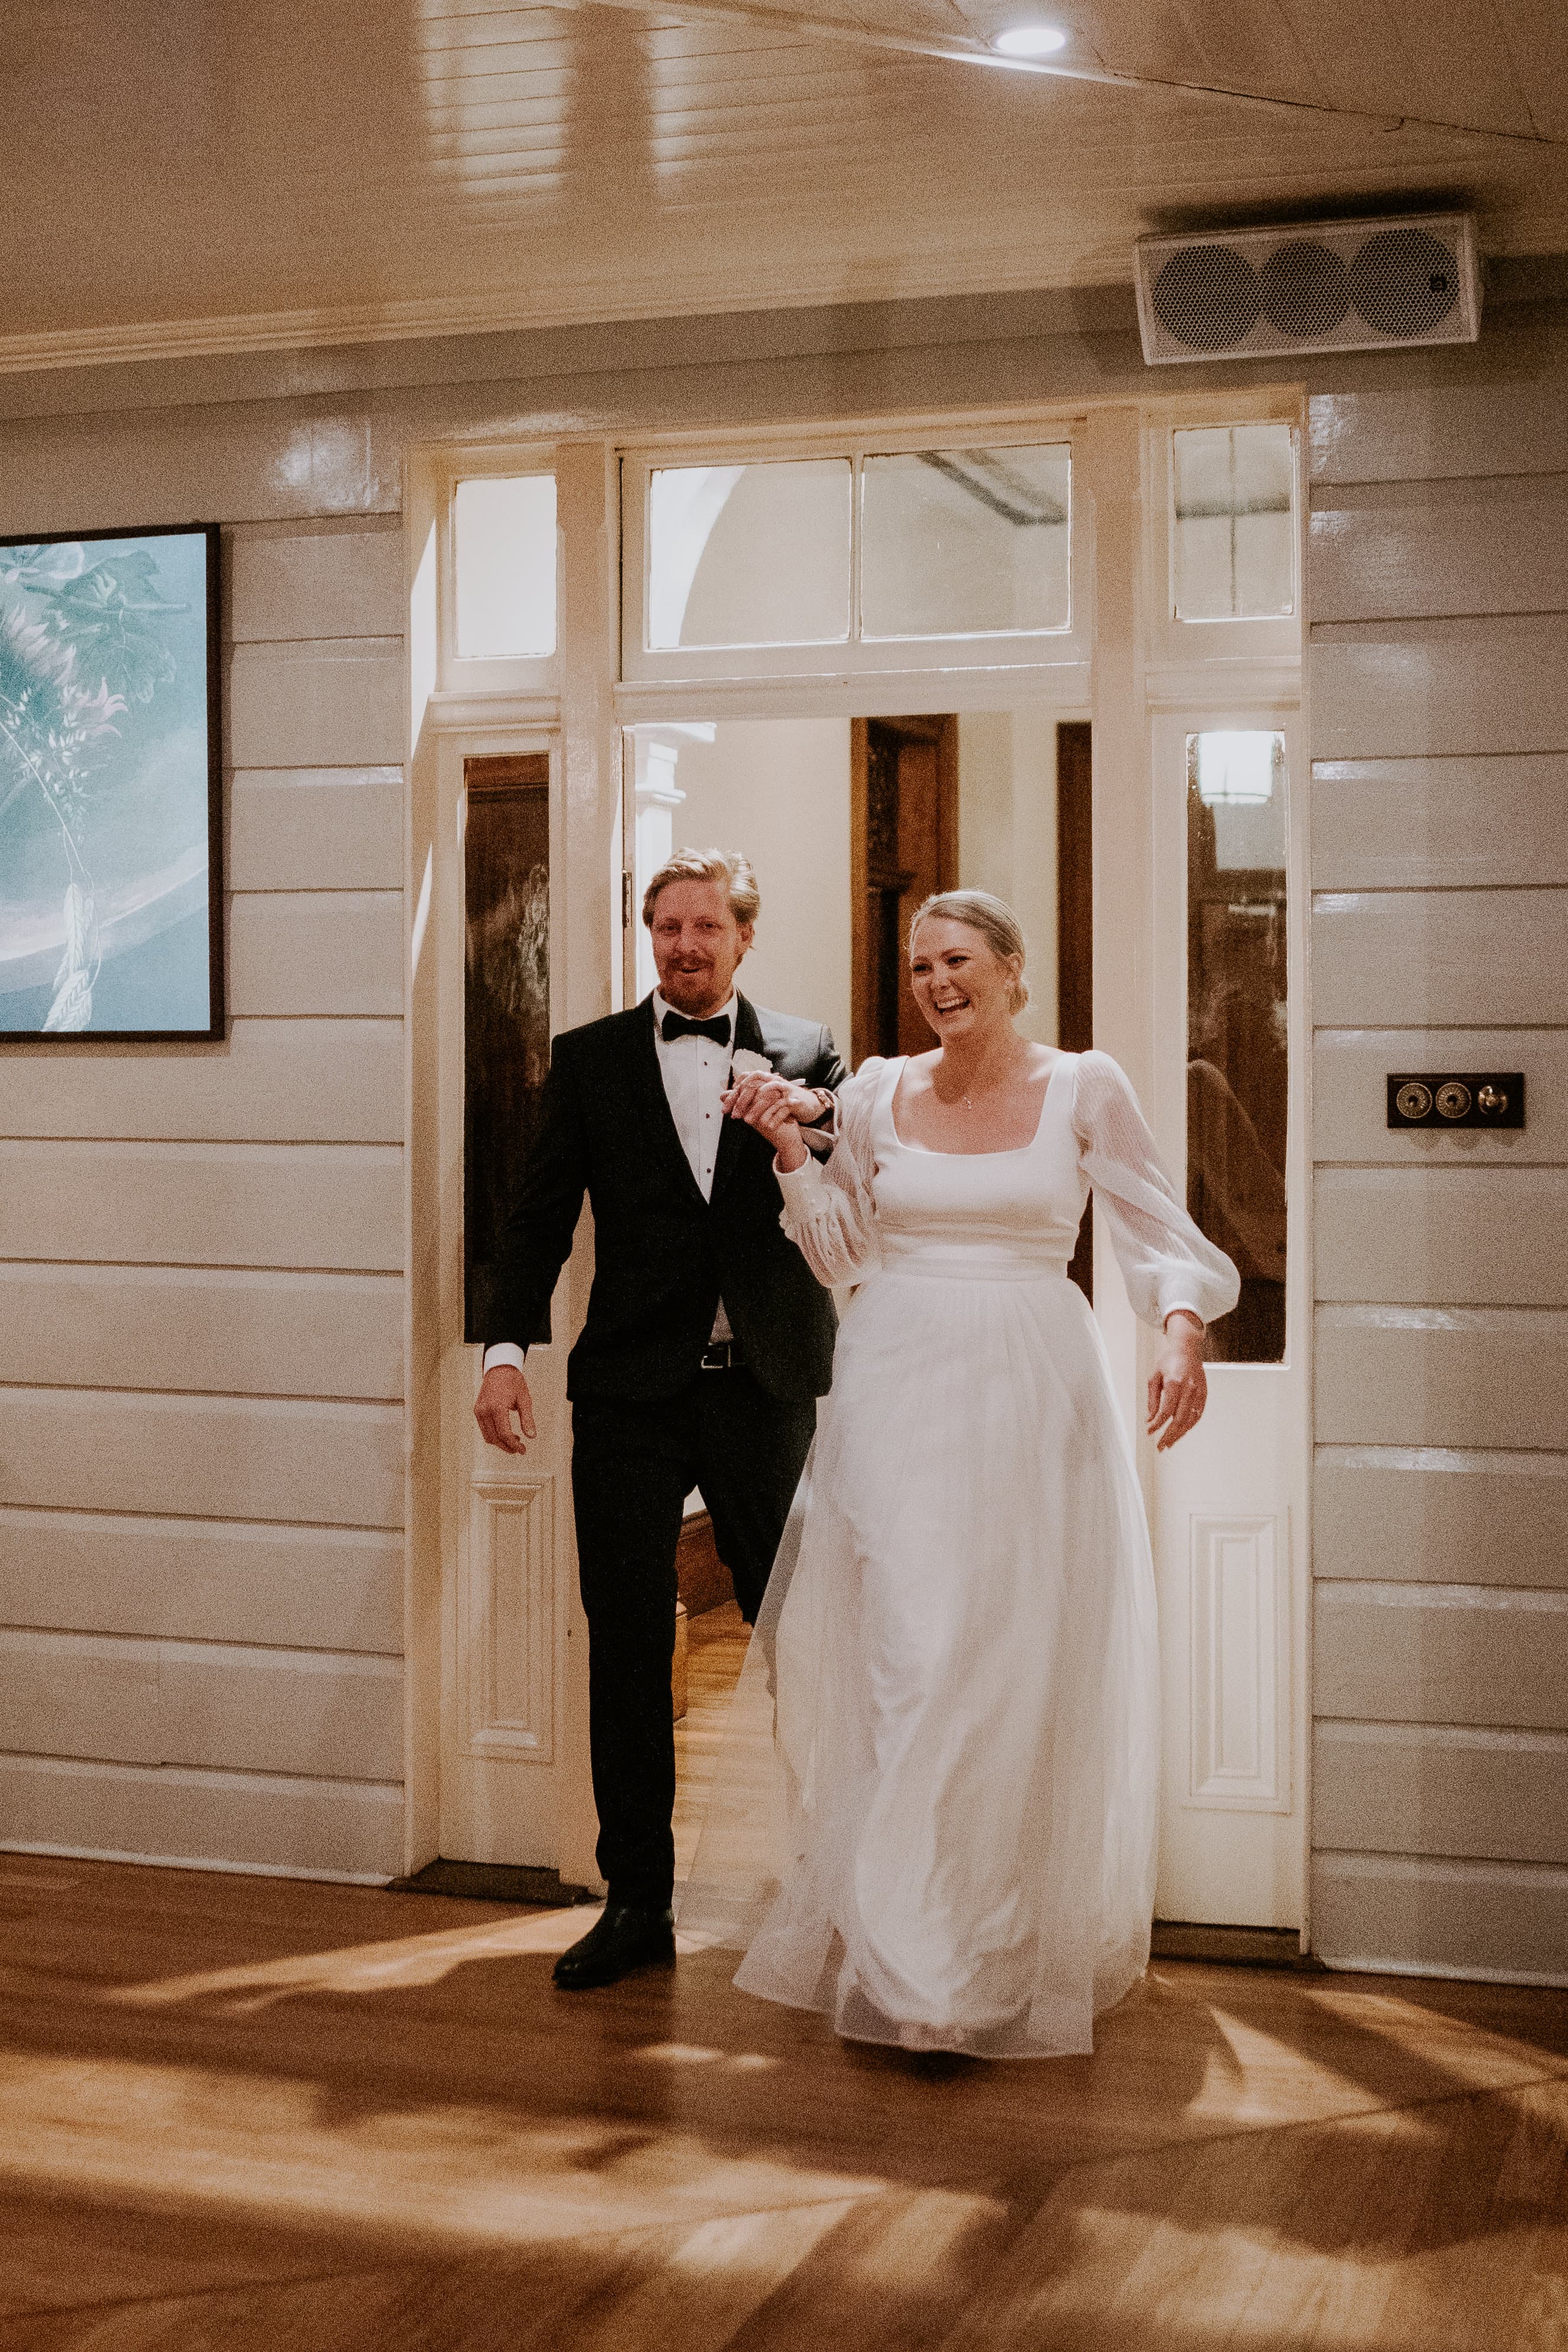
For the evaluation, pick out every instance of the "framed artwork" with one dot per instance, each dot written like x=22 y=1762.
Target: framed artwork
x=110 y=787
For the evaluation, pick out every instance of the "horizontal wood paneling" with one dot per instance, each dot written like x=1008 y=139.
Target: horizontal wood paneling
x=281 y=1711
x=223 y=1819
x=321 y=951
x=1440 y=823
x=1408 y=957
x=208 y=1457
x=1466 y=1918
x=72 y=1695
x=316 y=829
x=202 y=1580
x=1400 y=550
x=1434 y=1789
x=342 y=704
x=1393 y=1652
x=269 y=1082
x=339 y=582
x=1464 y=1236
x=247 y=1334
x=1440 y=1514
x=1416 y=688
x=1464 y=1376
x=1349 y=1097
x=244 y=460
x=330 y=1205
x=1500 y=422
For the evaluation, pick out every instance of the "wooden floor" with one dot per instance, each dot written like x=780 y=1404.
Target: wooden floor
x=251 y=2113
x=716 y=1651
x=244 y=2115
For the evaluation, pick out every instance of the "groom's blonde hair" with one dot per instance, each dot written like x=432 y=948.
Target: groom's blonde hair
x=726 y=867
x=995 y=920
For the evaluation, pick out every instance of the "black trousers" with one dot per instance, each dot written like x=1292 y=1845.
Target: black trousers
x=632 y=1465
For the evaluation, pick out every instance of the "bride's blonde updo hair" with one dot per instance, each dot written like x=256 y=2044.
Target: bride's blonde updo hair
x=995 y=920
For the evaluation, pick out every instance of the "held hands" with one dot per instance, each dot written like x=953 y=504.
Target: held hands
x=778 y=1110
x=504 y=1392
x=1178 y=1387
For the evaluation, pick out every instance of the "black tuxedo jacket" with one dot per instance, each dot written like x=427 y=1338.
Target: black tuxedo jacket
x=663 y=1255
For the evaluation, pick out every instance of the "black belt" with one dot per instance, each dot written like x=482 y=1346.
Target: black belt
x=722 y=1356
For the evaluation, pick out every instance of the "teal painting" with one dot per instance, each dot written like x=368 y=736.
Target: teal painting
x=110 y=836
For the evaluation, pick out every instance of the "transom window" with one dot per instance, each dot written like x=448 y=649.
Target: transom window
x=730 y=568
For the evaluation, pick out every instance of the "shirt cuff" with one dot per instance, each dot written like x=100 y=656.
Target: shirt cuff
x=1181 y=1306
x=505 y=1352
x=802 y=1187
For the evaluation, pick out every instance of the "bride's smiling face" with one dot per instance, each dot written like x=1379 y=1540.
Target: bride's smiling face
x=962 y=985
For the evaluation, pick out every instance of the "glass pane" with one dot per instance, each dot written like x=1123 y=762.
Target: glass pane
x=964 y=542
x=1237 y=1071
x=1234 y=525
x=750 y=555
x=506 y=568
x=506 y=1012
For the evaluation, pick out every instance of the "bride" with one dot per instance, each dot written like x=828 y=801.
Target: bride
x=963 y=1661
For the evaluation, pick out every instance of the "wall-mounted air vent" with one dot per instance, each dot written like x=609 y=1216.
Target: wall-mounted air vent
x=1322 y=286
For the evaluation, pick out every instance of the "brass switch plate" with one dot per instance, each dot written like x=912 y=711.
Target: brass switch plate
x=1449 y=1098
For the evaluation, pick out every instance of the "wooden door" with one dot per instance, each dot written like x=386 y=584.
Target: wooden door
x=903 y=845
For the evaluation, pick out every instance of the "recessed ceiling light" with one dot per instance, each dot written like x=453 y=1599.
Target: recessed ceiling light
x=1029 y=41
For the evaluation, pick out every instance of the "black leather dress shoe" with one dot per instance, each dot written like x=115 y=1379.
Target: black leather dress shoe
x=625 y=1936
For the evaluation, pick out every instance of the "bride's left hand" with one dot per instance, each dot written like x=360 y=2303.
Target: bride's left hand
x=1178 y=1386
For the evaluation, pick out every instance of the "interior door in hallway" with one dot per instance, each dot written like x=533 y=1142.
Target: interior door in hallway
x=505 y=1544
x=903 y=779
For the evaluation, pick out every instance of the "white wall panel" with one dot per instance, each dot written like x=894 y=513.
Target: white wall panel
x=315 y=829
x=72 y=1695
x=1403 y=957
x=1489 y=420
x=280 y=1711
x=1464 y=1236
x=240 y=461
x=202 y=1580
x=1465 y=1376
x=316 y=951
x=335 y=704
x=1397 y=689
x=329 y=1205
x=1432 y=823
x=269 y=1082
x=1422 y=1917
x=203 y=1457
x=222 y=1819
x=345 y=580
x=1441 y=1790
x=136 y=1702
x=1399 y=550
x=245 y=1334
x=1454 y=1654
x=1430 y=1513
x=1349 y=1096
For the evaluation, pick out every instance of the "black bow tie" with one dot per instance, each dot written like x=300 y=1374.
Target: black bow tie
x=675 y=1024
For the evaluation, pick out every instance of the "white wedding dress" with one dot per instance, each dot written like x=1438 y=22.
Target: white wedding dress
x=945 y=1839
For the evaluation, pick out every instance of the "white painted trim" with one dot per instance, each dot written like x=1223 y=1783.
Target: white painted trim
x=198 y=1861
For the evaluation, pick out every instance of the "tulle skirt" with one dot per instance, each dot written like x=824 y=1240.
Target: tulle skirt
x=936 y=1808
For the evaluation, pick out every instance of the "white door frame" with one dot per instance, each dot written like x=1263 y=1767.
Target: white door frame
x=1130 y=675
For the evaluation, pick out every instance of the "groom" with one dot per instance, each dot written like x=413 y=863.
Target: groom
x=707 y=1343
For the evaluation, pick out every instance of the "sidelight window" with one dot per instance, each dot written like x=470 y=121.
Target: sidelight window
x=1237 y=1041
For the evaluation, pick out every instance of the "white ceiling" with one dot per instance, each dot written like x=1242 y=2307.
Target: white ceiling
x=213 y=174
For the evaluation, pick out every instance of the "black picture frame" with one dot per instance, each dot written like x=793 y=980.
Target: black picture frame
x=51 y=635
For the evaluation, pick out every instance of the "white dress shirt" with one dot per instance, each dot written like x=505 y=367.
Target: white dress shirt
x=696 y=1073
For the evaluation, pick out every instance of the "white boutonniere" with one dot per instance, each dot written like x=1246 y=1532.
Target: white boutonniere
x=747 y=1065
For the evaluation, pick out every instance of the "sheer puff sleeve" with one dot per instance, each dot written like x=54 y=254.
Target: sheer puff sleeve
x=829 y=1208
x=1166 y=1261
